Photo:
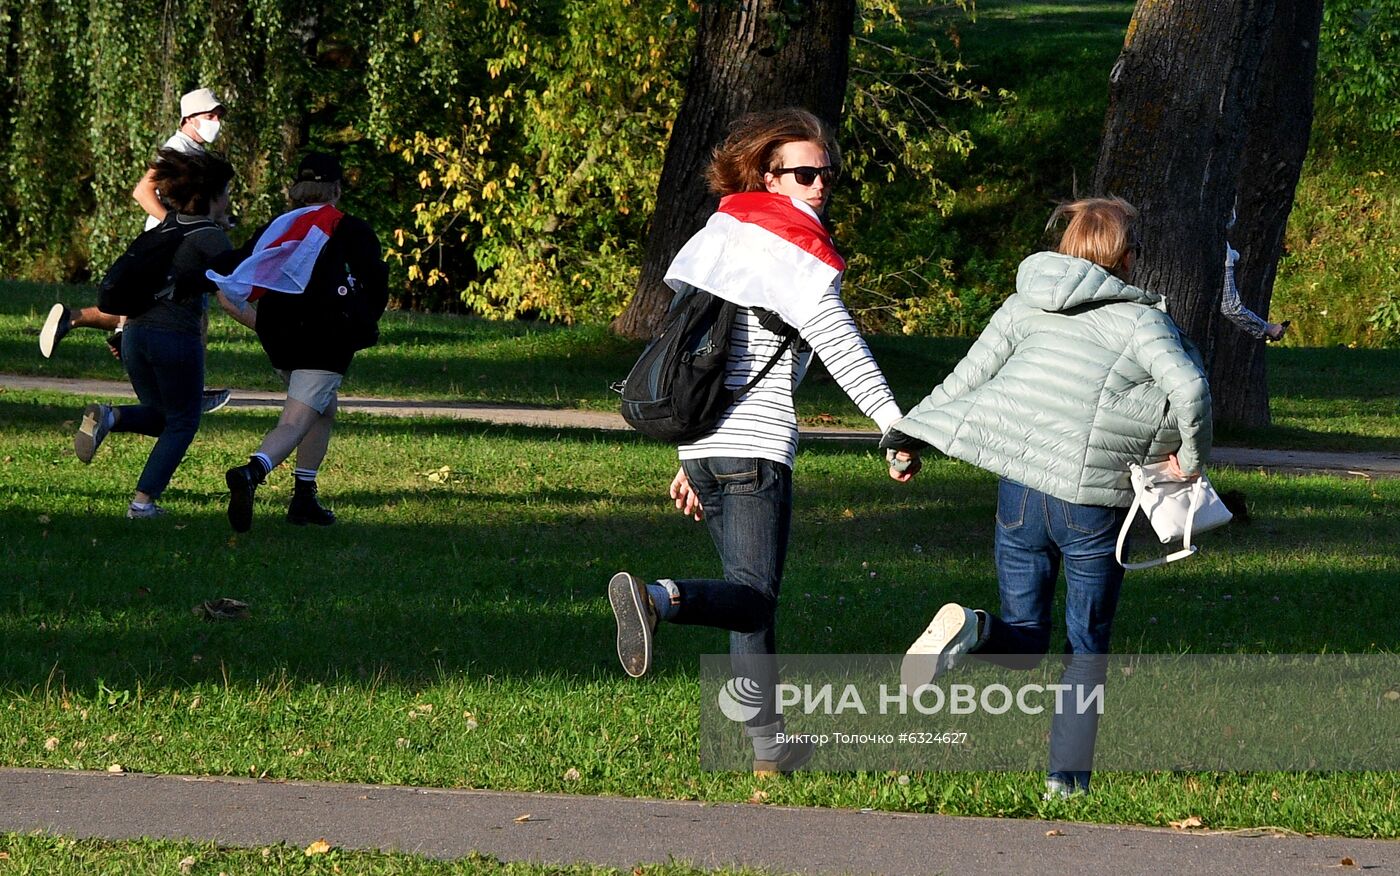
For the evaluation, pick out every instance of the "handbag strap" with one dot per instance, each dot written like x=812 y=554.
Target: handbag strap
x=1187 y=549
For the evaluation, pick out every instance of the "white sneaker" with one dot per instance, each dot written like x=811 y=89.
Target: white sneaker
x=56 y=325
x=951 y=633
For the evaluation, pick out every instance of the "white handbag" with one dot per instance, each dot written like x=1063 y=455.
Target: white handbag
x=1177 y=509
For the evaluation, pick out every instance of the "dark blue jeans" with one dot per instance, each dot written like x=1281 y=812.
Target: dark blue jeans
x=167 y=371
x=1036 y=534
x=748 y=508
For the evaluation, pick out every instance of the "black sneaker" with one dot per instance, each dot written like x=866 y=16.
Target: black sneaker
x=636 y=622
x=56 y=325
x=305 y=507
x=213 y=399
x=91 y=431
x=794 y=757
x=242 y=483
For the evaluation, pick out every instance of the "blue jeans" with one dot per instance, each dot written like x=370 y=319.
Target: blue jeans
x=167 y=371
x=1036 y=533
x=748 y=508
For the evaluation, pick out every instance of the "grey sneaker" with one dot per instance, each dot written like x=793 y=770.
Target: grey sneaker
x=952 y=633
x=636 y=622
x=794 y=757
x=91 y=431
x=135 y=513
x=56 y=325
x=213 y=400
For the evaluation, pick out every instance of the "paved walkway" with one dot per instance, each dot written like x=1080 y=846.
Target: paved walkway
x=623 y=832
x=1374 y=465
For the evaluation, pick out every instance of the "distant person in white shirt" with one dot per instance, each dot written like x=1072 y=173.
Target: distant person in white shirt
x=201 y=116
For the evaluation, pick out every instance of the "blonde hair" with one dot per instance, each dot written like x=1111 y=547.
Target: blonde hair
x=1099 y=230
x=751 y=149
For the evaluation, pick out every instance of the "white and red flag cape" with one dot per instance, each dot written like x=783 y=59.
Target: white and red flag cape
x=762 y=249
x=283 y=257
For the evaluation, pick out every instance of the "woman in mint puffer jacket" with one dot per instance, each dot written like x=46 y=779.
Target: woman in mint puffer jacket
x=1077 y=375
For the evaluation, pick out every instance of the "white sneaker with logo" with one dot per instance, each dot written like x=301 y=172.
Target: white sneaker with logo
x=952 y=633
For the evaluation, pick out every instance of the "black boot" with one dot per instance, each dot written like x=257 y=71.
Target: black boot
x=305 y=509
x=242 y=482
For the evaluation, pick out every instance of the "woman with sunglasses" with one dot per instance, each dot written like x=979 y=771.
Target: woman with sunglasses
x=766 y=250
x=1077 y=375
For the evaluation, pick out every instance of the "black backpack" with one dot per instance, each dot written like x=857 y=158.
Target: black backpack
x=676 y=393
x=146 y=269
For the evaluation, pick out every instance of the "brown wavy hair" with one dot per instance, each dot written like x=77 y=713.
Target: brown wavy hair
x=1099 y=229
x=751 y=148
x=190 y=183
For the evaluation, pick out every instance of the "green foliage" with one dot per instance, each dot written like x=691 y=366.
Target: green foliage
x=550 y=182
x=1357 y=61
x=1384 y=320
x=550 y=194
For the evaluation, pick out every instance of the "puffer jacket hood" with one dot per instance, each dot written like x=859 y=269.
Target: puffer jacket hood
x=1076 y=376
x=1055 y=283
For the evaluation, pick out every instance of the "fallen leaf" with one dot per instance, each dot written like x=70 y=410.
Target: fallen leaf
x=51 y=743
x=116 y=768
x=1187 y=823
x=759 y=796
x=1348 y=862
x=1054 y=833
x=572 y=775
x=319 y=847
x=187 y=864
x=1392 y=695
x=521 y=819
x=5 y=856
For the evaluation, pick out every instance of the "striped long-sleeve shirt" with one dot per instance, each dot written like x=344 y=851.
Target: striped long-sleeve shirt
x=762 y=423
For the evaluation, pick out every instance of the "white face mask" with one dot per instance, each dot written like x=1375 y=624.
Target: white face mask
x=207 y=129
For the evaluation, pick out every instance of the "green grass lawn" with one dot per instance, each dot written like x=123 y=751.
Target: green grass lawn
x=56 y=856
x=453 y=632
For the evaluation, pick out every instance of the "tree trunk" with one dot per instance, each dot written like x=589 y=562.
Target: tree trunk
x=1179 y=98
x=1275 y=146
x=749 y=55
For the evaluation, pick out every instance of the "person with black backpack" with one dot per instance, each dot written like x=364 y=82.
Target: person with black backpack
x=155 y=286
x=320 y=285
x=767 y=251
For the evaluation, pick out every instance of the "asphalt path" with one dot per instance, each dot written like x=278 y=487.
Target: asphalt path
x=624 y=832
x=1371 y=465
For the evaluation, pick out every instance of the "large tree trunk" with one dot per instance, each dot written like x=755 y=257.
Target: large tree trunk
x=1179 y=98
x=751 y=55
x=1276 y=144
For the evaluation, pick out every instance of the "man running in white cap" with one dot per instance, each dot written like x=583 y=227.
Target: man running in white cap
x=201 y=114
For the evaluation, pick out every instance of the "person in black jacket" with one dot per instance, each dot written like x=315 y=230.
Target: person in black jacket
x=310 y=327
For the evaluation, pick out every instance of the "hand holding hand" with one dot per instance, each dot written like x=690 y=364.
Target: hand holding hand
x=687 y=502
x=903 y=464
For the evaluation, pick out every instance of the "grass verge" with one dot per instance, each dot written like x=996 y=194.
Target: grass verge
x=451 y=630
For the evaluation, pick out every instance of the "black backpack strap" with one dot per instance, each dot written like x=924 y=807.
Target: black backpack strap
x=774 y=323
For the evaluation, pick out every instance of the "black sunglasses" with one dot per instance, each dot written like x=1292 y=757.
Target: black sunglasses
x=805 y=176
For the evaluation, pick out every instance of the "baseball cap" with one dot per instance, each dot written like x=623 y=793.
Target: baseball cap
x=201 y=100
x=319 y=167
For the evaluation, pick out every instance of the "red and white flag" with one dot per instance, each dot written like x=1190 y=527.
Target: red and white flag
x=284 y=256
x=762 y=249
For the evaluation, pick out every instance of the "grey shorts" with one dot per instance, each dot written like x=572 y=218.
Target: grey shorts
x=315 y=389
